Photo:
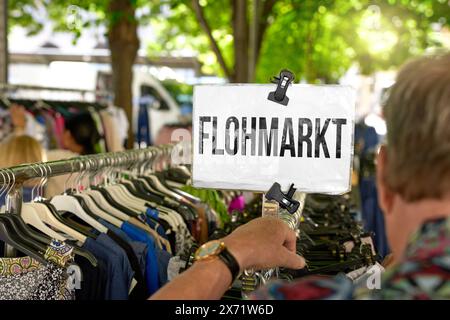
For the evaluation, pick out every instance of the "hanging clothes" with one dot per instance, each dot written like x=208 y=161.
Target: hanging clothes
x=366 y=140
x=27 y=279
x=122 y=123
x=118 y=269
x=143 y=136
x=113 y=143
x=100 y=147
x=124 y=233
x=45 y=122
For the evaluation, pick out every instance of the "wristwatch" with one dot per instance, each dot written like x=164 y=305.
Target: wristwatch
x=217 y=249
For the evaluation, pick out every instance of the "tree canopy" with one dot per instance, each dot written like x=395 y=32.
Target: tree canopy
x=317 y=39
x=120 y=19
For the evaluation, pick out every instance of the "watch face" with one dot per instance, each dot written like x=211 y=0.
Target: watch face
x=211 y=248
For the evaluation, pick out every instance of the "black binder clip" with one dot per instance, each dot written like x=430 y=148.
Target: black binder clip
x=283 y=81
x=285 y=200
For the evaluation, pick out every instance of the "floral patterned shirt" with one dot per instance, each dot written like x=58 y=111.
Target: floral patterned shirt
x=25 y=278
x=423 y=274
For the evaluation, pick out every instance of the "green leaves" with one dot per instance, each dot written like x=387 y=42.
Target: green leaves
x=317 y=39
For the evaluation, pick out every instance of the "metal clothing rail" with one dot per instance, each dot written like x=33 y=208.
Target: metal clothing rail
x=12 y=178
x=6 y=86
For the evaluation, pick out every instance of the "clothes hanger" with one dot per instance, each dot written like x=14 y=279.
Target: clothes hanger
x=147 y=183
x=33 y=220
x=63 y=217
x=97 y=211
x=114 y=202
x=11 y=238
x=47 y=216
x=143 y=178
x=114 y=196
x=38 y=236
x=125 y=197
x=94 y=210
x=16 y=227
x=119 y=195
x=179 y=174
x=122 y=193
x=136 y=188
x=9 y=234
x=51 y=234
x=31 y=217
x=100 y=200
x=23 y=234
x=70 y=204
x=145 y=163
x=60 y=216
x=155 y=183
x=104 y=200
x=35 y=239
x=186 y=195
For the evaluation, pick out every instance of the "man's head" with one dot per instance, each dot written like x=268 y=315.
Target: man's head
x=81 y=134
x=414 y=167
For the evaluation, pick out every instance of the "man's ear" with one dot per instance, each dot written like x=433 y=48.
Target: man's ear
x=385 y=195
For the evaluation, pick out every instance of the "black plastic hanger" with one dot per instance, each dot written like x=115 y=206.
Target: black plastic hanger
x=22 y=235
x=114 y=203
x=177 y=175
x=46 y=240
x=9 y=237
x=60 y=217
x=141 y=192
x=26 y=229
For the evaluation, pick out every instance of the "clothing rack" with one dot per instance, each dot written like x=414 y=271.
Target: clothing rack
x=6 y=86
x=13 y=91
x=14 y=177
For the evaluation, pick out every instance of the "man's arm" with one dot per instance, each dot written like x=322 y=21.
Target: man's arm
x=260 y=244
x=205 y=280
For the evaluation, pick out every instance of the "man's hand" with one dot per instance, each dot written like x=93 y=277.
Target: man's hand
x=260 y=244
x=264 y=243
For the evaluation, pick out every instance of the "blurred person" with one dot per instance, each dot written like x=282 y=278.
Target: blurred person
x=17 y=150
x=80 y=131
x=413 y=180
x=80 y=137
x=366 y=144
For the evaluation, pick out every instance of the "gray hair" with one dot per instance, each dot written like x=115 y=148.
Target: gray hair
x=417 y=114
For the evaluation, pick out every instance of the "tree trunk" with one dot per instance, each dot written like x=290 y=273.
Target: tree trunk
x=254 y=31
x=123 y=45
x=246 y=50
x=241 y=41
x=213 y=43
x=262 y=10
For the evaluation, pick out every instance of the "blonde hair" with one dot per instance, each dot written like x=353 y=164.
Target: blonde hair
x=417 y=116
x=19 y=150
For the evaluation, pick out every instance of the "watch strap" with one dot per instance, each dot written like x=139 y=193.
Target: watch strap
x=231 y=262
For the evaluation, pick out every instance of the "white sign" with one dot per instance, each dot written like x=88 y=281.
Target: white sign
x=243 y=141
